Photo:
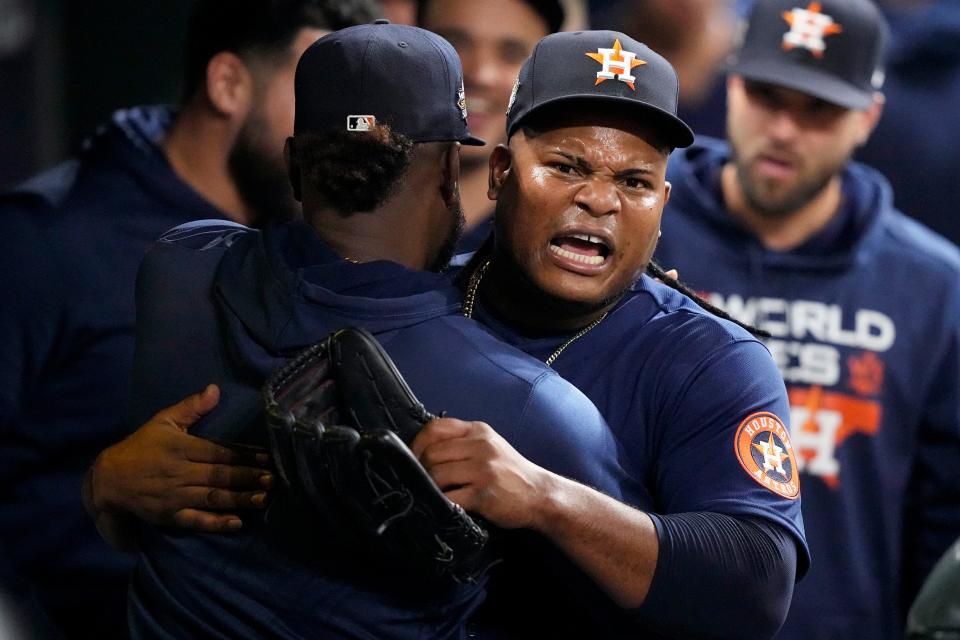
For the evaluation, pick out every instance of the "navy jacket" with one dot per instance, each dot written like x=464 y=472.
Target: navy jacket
x=865 y=318
x=71 y=240
x=251 y=300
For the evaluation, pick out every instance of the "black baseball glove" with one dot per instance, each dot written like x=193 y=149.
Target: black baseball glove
x=340 y=418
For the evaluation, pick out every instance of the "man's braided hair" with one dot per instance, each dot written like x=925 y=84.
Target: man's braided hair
x=654 y=270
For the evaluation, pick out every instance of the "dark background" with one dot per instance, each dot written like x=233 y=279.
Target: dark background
x=64 y=66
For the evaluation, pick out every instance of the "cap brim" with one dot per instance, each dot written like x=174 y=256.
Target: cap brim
x=806 y=80
x=472 y=141
x=675 y=131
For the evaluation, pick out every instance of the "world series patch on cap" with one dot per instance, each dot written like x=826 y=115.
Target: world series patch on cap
x=830 y=49
x=592 y=68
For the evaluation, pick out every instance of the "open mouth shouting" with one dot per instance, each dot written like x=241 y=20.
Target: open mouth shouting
x=581 y=252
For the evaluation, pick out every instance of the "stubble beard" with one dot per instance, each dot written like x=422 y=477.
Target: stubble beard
x=453 y=238
x=261 y=175
x=774 y=205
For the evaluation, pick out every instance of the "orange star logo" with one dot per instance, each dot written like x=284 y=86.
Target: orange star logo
x=808 y=28
x=616 y=59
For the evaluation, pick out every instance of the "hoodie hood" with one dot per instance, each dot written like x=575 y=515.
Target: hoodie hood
x=285 y=289
x=131 y=141
x=122 y=159
x=695 y=176
x=930 y=35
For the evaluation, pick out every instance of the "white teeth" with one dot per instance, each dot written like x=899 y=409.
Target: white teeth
x=570 y=255
x=586 y=238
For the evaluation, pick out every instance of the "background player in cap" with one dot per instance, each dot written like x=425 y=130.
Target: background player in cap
x=492 y=39
x=863 y=304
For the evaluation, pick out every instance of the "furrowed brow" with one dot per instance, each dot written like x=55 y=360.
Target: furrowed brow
x=580 y=161
x=636 y=171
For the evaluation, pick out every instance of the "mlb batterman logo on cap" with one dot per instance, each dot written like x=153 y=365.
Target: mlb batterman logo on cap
x=382 y=73
x=593 y=68
x=830 y=49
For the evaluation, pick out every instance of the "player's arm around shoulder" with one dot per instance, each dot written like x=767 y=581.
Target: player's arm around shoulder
x=162 y=475
x=563 y=435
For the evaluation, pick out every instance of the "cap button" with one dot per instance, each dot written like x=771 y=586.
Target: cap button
x=381 y=21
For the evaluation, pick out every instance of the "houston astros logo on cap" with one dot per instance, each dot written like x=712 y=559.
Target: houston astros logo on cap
x=763 y=448
x=808 y=28
x=616 y=59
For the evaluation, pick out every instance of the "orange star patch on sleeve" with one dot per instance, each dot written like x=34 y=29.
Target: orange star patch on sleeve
x=763 y=448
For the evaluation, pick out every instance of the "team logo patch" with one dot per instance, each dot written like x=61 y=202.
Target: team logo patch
x=617 y=64
x=462 y=101
x=808 y=29
x=361 y=123
x=763 y=448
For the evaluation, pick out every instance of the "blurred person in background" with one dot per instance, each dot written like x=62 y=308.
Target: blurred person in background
x=863 y=305
x=922 y=92
x=71 y=240
x=493 y=39
x=399 y=11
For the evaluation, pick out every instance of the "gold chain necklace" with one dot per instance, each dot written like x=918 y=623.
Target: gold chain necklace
x=470 y=300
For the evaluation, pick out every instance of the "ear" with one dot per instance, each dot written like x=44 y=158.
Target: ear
x=229 y=85
x=501 y=161
x=666 y=192
x=293 y=166
x=450 y=187
x=870 y=118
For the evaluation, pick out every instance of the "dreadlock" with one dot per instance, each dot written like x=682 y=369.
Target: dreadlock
x=656 y=271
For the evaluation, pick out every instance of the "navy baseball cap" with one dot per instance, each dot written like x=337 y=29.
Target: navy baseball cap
x=831 y=49
x=403 y=76
x=596 y=68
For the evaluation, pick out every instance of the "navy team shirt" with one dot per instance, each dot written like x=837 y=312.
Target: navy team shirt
x=865 y=318
x=697 y=404
x=251 y=300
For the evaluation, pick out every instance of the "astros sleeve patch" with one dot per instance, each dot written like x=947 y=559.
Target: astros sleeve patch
x=763 y=447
